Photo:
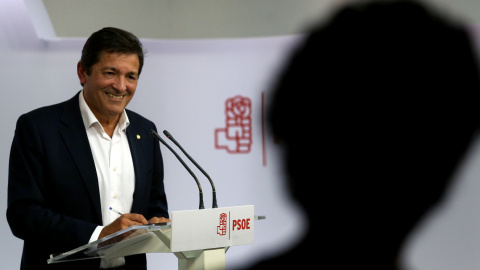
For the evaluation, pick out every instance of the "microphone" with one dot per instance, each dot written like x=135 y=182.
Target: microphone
x=155 y=134
x=214 y=203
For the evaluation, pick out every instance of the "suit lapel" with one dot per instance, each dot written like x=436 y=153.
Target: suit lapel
x=76 y=140
x=135 y=143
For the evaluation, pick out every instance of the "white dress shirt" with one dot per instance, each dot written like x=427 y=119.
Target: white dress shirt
x=115 y=172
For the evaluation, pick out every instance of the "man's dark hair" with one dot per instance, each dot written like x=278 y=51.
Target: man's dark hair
x=110 y=40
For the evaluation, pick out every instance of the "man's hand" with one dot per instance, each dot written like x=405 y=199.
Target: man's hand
x=123 y=222
x=155 y=220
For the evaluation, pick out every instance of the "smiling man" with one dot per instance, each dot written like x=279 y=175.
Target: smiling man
x=71 y=162
x=109 y=86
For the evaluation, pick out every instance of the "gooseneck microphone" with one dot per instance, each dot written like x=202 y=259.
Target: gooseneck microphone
x=155 y=134
x=214 y=203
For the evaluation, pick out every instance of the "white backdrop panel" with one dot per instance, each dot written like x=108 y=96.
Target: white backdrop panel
x=183 y=88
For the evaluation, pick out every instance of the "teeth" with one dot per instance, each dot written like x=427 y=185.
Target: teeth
x=113 y=96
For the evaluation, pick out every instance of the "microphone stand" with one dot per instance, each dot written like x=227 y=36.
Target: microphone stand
x=155 y=134
x=214 y=202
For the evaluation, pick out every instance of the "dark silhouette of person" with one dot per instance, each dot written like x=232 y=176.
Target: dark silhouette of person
x=374 y=110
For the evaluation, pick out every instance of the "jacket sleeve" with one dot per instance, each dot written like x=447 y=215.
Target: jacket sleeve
x=34 y=209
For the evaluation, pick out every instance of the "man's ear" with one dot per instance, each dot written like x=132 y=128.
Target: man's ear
x=82 y=73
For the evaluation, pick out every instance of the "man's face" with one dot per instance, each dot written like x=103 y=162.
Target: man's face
x=111 y=84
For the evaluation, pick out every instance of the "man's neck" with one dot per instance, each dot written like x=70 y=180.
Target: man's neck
x=109 y=125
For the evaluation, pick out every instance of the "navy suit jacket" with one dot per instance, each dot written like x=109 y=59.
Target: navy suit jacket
x=53 y=195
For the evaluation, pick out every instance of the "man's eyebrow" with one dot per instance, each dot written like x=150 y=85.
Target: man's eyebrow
x=114 y=69
x=109 y=68
x=132 y=73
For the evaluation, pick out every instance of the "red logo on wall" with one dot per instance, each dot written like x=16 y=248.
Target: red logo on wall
x=222 y=227
x=236 y=137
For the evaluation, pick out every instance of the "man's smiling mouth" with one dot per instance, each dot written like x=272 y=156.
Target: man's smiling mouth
x=114 y=96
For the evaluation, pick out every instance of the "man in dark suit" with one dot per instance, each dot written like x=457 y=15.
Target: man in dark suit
x=71 y=162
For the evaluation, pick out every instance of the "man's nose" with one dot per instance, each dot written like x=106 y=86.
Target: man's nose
x=120 y=84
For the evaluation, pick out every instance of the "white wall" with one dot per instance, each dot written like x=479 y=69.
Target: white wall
x=183 y=87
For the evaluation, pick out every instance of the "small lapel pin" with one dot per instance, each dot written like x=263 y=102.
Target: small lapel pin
x=138 y=136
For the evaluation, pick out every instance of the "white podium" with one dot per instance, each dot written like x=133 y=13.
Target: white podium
x=198 y=238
